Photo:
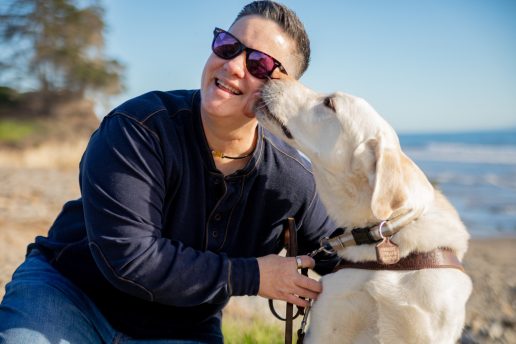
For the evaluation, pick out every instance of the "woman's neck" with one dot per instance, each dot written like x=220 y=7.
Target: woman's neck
x=229 y=138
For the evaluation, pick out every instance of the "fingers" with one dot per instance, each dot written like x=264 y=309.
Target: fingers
x=299 y=296
x=291 y=286
x=295 y=300
x=307 y=294
x=308 y=284
x=304 y=262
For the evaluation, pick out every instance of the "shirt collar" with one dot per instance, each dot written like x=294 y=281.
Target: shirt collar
x=205 y=150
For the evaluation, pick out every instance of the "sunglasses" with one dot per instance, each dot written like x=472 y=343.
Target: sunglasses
x=259 y=64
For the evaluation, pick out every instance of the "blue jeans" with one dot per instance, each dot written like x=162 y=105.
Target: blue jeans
x=41 y=306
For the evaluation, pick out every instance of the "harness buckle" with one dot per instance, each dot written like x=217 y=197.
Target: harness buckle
x=324 y=246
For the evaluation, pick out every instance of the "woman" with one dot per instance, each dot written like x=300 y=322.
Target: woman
x=183 y=202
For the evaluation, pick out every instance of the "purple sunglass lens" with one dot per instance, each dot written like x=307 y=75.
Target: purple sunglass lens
x=226 y=46
x=260 y=64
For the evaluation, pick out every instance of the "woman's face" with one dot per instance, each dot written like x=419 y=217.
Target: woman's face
x=228 y=90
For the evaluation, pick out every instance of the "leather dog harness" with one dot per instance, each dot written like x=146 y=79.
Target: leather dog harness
x=438 y=258
x=387 y=253
x=387 y=257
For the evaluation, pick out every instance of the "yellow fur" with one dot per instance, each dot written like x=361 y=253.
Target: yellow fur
x=363 y=176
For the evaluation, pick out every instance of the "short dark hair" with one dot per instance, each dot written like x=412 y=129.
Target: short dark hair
x=288 y=21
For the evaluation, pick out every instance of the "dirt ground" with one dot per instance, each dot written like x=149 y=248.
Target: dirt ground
x=32 y=194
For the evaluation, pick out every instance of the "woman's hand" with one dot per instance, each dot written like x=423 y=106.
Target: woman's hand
x=280 y=280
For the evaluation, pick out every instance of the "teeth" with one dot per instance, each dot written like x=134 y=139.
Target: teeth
x=228 y=88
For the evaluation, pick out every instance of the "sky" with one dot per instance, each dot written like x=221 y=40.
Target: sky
x=425 y=65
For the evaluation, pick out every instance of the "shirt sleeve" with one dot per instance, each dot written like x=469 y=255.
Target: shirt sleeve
x=123 y=188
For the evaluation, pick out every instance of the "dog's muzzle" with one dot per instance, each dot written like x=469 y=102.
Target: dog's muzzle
x=262 y=108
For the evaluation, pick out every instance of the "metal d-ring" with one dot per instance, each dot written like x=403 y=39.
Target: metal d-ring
x=380 y=229
x=325 y=246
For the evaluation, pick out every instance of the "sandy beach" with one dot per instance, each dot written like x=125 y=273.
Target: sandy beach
x=32 y=194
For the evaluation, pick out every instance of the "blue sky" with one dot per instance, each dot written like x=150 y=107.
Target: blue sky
x=425 y=65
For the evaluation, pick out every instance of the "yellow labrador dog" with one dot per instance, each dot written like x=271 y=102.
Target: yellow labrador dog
x=364 y=178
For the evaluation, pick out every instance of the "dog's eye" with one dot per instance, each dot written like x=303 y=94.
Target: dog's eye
x=329 y=102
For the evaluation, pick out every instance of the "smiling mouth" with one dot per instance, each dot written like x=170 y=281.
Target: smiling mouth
x=225 y=87
x=262 y=107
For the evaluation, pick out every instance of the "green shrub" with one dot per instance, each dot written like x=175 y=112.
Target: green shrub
x=14 y=131
x=8 y=96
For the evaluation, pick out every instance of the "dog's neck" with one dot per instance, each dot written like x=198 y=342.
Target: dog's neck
x=438 y=225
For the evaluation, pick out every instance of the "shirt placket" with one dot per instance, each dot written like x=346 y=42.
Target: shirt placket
x=218 y=220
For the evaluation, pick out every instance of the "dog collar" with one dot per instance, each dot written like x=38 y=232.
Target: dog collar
x=367 y=235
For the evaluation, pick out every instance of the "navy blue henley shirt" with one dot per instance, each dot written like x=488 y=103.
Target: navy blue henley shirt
x=160 y=239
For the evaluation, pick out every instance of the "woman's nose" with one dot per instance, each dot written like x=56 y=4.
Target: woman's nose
x=236 y=66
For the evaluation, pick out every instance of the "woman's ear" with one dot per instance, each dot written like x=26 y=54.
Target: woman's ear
x=277 y=74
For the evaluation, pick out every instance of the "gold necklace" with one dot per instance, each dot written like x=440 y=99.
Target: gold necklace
x=219 y=154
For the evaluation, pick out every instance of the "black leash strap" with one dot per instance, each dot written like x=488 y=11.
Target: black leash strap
x=290 y=238
x=290 y=242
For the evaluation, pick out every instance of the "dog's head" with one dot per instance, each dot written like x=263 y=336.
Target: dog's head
x=355 y=153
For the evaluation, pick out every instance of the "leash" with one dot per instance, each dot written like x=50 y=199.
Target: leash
x=387 y=254
x=290 y=243
x=358 y=236
x=301 y=331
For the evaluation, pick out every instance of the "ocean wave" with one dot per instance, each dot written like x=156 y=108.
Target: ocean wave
x=462 y=179
x=463 y=153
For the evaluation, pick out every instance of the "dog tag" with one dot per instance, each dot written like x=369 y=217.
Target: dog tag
x=387 y=252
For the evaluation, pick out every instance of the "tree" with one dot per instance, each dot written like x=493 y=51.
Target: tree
x=58 y=47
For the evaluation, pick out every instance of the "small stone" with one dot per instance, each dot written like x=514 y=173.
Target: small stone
x=507 y=310
x=510 y=336
x=467 y=337
x=496 y=330
x=476 y=325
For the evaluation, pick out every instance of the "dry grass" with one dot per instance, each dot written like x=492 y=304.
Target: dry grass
x=35 y=182
x=50 y=155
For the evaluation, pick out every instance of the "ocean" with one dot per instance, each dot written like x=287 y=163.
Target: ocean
x=476 y=171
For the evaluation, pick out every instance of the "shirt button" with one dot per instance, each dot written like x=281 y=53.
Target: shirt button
x=214 y=234
x=217 y=217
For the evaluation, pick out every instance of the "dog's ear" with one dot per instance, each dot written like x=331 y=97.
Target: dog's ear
x=388 y=190
x=382 y=166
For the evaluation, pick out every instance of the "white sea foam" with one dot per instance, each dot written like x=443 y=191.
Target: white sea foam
x=464 y=153
x=479 y=178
